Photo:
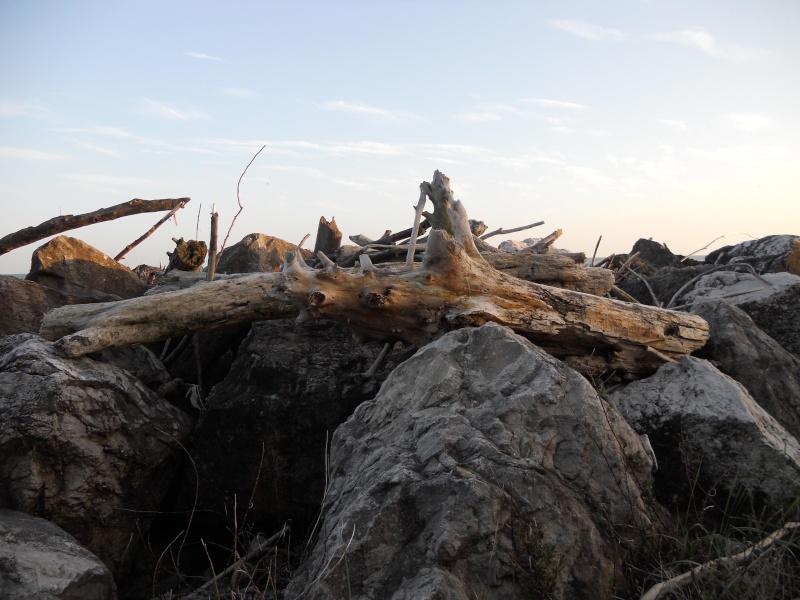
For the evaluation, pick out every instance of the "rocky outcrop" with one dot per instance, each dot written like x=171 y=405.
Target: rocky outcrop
x=744 y=352
x=85 y=445
x=655 y=253
x=771 y=254
x=707 y=431
x=40 y=560
x=24 y=303
x=256 y=253
x=71 y=266
x=289 y=388
x=483 y=468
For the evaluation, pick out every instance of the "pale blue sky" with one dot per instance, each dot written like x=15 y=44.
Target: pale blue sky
x=676 y=120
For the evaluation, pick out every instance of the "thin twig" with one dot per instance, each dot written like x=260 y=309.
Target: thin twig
x=714 y=240
x=503 y=231
x=700 y=571
x=150 y=231
x=378 y=361
x=631 y=258
x=595 y=250
x=656 y=301
x=238 y=199
x=303 y=241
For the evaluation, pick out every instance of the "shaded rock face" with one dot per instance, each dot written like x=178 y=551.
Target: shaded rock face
x=744 y=352
x=483 y=468
x=289 y=388
x=254 y=254
x=40 y=560
x=777 y=316
x=664 y=283
x=24 y=303
x=79 y=442
x=772 y=301
x=71 y=266
x=771 y=254
x=704 y=425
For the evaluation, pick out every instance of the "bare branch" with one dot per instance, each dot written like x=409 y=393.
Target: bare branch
x=502 y=231
x=238 y=199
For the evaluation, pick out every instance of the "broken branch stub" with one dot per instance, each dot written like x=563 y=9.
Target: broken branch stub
x=454 y=287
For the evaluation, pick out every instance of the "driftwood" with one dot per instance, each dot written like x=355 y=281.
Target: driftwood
x=329 y=238
x=26 y=236
x=454 y=287
x=557 y=270
x=149 y=232
x=187 y=256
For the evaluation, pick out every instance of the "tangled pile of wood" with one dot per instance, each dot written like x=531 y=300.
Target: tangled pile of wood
x=459 y=282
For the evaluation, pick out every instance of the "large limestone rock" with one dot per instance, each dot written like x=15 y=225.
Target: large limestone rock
x=710 y=437
x=771 y=254
x=85 y=445
x=288 y=389
x=744 y=352
x=484 y=468
x=40 y=560
x=74 y=267
x=254 y=254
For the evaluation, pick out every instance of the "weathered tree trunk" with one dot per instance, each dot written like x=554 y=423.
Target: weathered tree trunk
x=557 y=270
x=56 y=225
x=455 y=287
x=329 y=238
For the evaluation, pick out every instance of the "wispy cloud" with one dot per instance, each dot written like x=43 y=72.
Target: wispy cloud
x=34 y=110
x=368 y=110
x=106 y=180
x=590 y=31
x=99 y=149
x=201 y=56
x=155 y=108
x=547 y=103
x=239 y=92
x=478 y=116
x=116 y=132
x=704 y=41
x=674 y=124
x=28 y=154
x=749 y=122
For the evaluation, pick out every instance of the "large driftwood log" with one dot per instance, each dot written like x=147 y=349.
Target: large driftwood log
x=557 y=270
x=455 y=287
x=56 y=225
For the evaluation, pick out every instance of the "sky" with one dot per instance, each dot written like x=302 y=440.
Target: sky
x=674 y=120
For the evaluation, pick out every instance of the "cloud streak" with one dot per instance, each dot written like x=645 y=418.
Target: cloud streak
x=201 y=56
x=705 y=42
x=14 y=153
x=163 y=110
x=367 y=110
x=590 y=31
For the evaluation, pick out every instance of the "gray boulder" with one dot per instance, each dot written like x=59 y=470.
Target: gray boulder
x=84 y=445
x=484 y=468
x=773 y=301
x=744 y=352
x=74 y=267
x=770 y=254
x=665 y=283
x=40 y=560
x=707 y=431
